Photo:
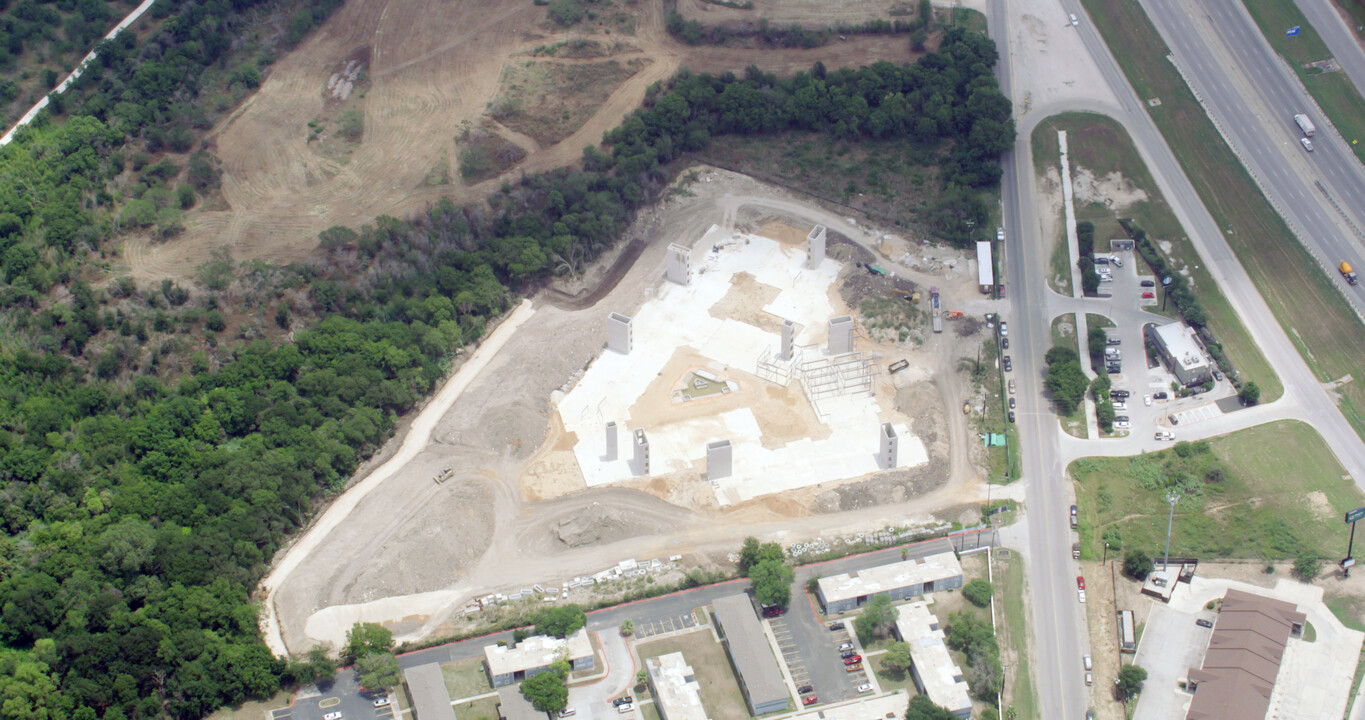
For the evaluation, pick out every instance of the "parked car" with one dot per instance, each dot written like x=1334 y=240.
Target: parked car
x=1217 y=374
x=772 y=611
x=1075 y=551
x=1101 y=260
x=568 y=712
x=847 y=653
x=1089 y=678
x=1080 y=582
x=809 y=700
x=1074 y=516
x=1165 y=435
x=1011 y=403
x=1201 y=622
x=1147 y=400
x=1122 y=425
x=1119 y=394
x=381 y=701
x=1009 y=365
x=1085 y=661
x=846 y=646
x=1116 y=260
x=623 y=700
x=1011 y=386
x=1113 y=341
x=1148 y=283
x=854 y=668
x=805 y=689
x=1011 y=416
x=1004 y=343
x=625 y=708
x=332 y=716
x=1122 y=418
x=851 y=659
x=864 y=688
x=1004 y=329
x=1148 y=295
x=1081 y=595
x=837 y=626
x=1160 y=395
x=1120 y=405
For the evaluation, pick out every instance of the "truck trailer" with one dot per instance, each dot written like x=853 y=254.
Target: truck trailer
x=1348 y=273
x=1305 y=124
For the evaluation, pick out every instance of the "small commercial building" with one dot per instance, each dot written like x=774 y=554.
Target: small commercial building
x=534 y=655
x=1181 y=352
x=985 y=270
x=901 y=581
x=677 y=695
x=427 y=690
x=932 y=667
x=759 y=676
x=1243 y=658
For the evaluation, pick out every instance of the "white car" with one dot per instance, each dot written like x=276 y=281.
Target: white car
x=864 y=688
x=1121 y=425
x=381 y=701
x=1085 y=660
x=1120 y=405
x=1165 y=435
x=1004 y=329
x=332 y=716
x=1307 y=144
x=568 y=712
x=1147 y=400
x=625 y=708
x=1074 y=21
x=1116 y=260
x=1081 y=593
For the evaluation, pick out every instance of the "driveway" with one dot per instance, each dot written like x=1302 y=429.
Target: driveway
x=593 y=700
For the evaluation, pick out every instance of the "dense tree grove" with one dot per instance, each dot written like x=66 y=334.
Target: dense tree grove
x=159 y=444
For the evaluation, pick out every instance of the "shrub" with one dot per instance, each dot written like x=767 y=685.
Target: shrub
x=1137 y=564
x=978 y=592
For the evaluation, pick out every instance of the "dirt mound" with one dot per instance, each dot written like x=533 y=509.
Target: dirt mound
x=597 y=524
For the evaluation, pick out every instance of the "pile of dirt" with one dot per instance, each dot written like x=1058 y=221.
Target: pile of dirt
x=599 y=524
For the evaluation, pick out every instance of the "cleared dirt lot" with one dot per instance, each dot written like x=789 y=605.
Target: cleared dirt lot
x=434 y=67
x=496 y=524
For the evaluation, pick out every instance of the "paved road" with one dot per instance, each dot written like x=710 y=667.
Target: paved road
x=1339 y=36
x=1253 y=96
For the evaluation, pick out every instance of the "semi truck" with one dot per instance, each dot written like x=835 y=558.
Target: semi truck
x=1348 y=273
x=1305 y=124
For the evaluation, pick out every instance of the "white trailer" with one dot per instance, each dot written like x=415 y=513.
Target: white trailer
x=1305 y=124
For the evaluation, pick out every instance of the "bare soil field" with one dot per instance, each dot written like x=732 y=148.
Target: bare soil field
x=433 y=69
x=549 y=99
x=515 y=514
x=806 y=13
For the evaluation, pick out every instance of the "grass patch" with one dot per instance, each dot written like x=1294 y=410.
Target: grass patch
x=1305 y=303
x=720 y=695
x=1348 y=609
x=1013 y=634
x=1310 y=633
x=890 y=681
x=253 y=709
x=485 y=709
x=972 y=20
x=485 y=154
x=1002 y=463
x=1333 y=90
x=1060 y=279
x=466 y=678
x=549 y=101
x=892 y=319
x=1355 y=680
x=1268 y=492
x=649 y=712
x=1097 y=321
x=1102 y=146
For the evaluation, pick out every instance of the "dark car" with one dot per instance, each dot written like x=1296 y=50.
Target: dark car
x=1011 y=416
x=837 y=626
x=846 y=654
x=1009 y=365
x=1113 y=341
x=805 y=689
x=1201 y=622
x=1217 y=374
x=623 y=700
x=1174 y=420
x=1160 y=395
x=1120 y=394
x=1004 y=343
x=1148 y=283
x=1011 y=403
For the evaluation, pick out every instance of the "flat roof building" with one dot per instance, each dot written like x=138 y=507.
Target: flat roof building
x=534 y=655
x=1181 y=352
x=759 y=676
x=901 y=580
x=932 y=667
x=1243 y=657
x=677 y=695
x=427 y=688
x=985 y=271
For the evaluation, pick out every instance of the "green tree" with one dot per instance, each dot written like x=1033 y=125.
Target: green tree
x=378 y=670
x=978 y=592
x=561 y=621
x=1096 y=341
x=1308 y=565
x=566 y=12
x=772 y=582
x=547 y=690
x=922 y=708
x=897 y=658
x=876 y=619
x=1250 y=393
x=1113 y=538
x=1066 y=384
x=1137 y=564
x=748 y=555
x=627 y=627
x=1090 y=281
x=366 y=639
x=1129 y=682
x=1105 y=414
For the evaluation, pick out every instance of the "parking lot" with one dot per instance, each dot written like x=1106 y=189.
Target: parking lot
x=810 y=650
x=650 y=627
x=349 y=706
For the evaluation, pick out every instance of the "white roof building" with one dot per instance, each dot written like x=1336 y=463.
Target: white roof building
x=676 y=691
x=985 y=272
x=1180 y=344
x=935 y=672
x=536 y=652
x=902 y=580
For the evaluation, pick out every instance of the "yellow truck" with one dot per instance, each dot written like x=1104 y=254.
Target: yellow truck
x=1348 y=273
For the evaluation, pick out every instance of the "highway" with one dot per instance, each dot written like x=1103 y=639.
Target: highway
x=1253 y=96
x=1059 y=630
x=1338 y=36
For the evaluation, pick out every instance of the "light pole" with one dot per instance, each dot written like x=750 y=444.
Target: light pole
x=1171 y=498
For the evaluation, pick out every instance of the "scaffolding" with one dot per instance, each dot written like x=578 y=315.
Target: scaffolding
x=773 y=368
x=837 y=376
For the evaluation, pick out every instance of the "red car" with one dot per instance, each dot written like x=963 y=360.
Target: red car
x=853 y=659
x=771 y=612
x=809 y=700
x=1080 y=582
x=1149 y=294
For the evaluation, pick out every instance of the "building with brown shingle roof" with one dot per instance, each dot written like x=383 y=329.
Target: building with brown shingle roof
x=1243 y=657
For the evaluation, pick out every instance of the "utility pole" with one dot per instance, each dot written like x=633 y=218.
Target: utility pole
x=1171 y=498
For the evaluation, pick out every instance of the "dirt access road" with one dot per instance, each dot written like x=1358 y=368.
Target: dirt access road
x=411 y=552
x=432 y=67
